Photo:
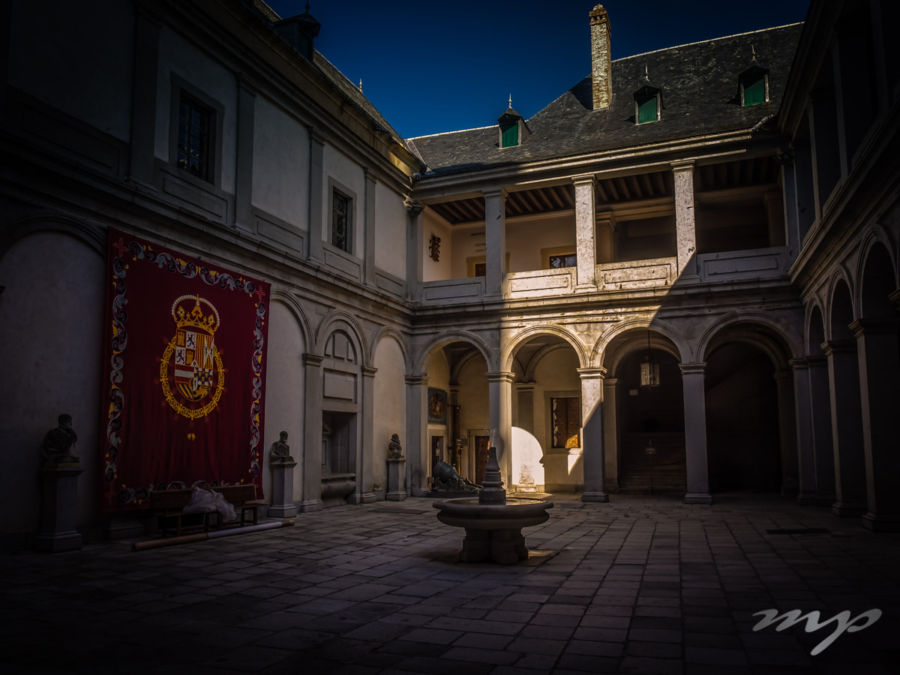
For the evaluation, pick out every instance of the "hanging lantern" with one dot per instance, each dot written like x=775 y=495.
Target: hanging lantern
x=649 y=368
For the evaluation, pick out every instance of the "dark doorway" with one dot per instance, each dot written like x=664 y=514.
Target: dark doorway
x=742 y=420
x=651 y=423
x=338 y=451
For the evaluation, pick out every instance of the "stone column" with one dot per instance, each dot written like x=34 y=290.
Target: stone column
x=791 y=216
x=879 y=368
x=416 y=431
x=59 y=508
x=500 y=393
x=243 y=188
x=592 y=434
x=823 y=444
x=316 y=190
x=610 y=434
x=368 y=452
x=695 y=454
x=846 y=429
x=585 y=237
x=685 y=229
x=311 y=495
x=495 y=242
x=369 y=252
x=414 y=250
x=806 y=462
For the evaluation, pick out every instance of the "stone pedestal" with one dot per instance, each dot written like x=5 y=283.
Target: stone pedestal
x=396 y=479
x=283 y=490
x=59 y=508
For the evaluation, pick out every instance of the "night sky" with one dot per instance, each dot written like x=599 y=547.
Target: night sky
x=431 y=67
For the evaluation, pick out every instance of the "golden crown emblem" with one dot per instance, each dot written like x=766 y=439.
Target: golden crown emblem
x=188 y=312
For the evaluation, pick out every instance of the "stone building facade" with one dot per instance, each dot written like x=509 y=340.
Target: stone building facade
x=681 y=275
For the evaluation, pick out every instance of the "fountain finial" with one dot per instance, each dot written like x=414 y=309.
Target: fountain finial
x=492 y=491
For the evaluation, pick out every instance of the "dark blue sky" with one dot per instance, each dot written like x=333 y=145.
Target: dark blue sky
x=439 y=66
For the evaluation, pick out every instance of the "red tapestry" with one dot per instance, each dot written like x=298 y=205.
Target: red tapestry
x=184 y=373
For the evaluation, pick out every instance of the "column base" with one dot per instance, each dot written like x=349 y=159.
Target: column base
x=697 y=498
x=282 y=511
x=56 y=542
x=397 y=496
x=847 y=509
x=310 y=505
x=594 y=496
x=881 y=523
x=586 y=288
x=808 y=499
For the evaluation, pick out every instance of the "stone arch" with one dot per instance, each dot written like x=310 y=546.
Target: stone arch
x=814 y=331
x=845 y=312
x=388 y=333
x=877 y=276
x=293 y=306
x=524 y=336
x=622 y=340
x=339 y=320
x=775 y=342
x=93 y=236
x=446 y=338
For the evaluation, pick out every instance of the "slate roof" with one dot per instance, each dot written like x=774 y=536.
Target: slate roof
x=699 y=84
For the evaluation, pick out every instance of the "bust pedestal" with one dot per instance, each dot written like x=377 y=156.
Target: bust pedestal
x=59 y=508
x=283 y=489
x=396 y=479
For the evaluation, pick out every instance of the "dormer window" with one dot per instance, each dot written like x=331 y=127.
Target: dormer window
x=512 y=127
x=754 y=86
x=647 y=104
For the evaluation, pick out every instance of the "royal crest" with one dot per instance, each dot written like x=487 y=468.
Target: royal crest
x=191 y=371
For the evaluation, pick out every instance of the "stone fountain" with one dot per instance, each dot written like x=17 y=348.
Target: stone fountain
x=493 y=523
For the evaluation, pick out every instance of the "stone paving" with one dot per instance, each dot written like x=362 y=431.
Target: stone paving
x=639 y=585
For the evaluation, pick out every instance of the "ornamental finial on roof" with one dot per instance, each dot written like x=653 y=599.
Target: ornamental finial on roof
x=753 y=52
x=646 y=73
x=510 y=100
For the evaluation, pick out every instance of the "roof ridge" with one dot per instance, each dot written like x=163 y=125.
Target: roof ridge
x=700 y=42
x=455 y=131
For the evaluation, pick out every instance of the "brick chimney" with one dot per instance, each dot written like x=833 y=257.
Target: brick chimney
x=601 y=68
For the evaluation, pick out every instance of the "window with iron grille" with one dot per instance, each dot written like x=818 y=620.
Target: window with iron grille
x=341 y=225
x=195 y=128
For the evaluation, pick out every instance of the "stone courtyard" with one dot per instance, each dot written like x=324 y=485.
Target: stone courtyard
x=639 y=585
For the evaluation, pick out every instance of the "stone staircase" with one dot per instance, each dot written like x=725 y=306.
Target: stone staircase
x=661 y=472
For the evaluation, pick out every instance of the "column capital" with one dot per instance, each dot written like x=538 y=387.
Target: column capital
x=418 y=379
x=497 y=192
x=413 y=208
x=682 y=165
x=799 y=363
x=610 y=381
x=501 y=376
x=591 y=373
x=369 y=371
x=312 y=360
x=816 y=360
x=697 y=368
x=585 y=178
x=831 y=347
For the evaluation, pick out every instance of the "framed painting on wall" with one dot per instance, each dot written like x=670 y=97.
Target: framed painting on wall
x=437 y=406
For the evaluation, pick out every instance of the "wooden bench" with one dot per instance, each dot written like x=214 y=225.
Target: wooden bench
x=169 y=505
x=243 y=498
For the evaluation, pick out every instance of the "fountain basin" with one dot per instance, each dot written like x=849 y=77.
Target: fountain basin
x=493 y=531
